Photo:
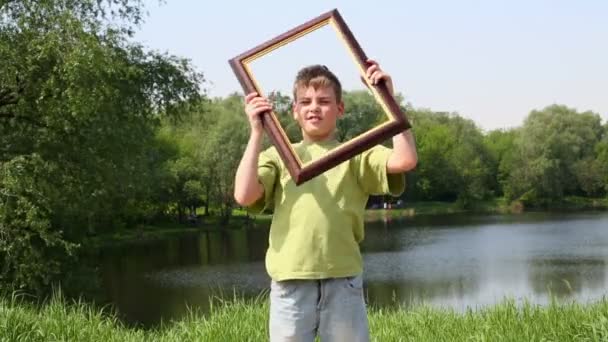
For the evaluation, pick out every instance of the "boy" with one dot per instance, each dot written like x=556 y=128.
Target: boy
x=313 y=257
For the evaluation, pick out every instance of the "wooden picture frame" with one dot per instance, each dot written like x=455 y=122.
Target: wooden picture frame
x=300 y=172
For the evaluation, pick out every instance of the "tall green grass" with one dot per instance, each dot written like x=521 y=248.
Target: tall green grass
x=247 y=320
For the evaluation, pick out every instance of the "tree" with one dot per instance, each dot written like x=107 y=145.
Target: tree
x=500 y=145
x=600 y=165
x=78 y=107
x=454 y=163
x=182 y=171
x=551 y=149
x=361 y=114
x=223 y=149
x=283 y=109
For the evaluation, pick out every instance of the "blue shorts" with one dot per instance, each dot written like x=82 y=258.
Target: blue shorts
x=332 y=308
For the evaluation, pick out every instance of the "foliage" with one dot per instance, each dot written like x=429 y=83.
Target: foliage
x=555 y=156
x=99 y=135
x=454 y=163
x=79 y=104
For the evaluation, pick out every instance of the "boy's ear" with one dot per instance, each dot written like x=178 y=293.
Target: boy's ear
x=340 y=108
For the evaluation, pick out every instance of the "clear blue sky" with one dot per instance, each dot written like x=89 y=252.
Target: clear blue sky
x=490 y=61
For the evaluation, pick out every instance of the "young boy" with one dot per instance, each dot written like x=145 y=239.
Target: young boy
x=313 y=257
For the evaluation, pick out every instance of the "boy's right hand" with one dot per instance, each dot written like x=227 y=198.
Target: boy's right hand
x=254 y=106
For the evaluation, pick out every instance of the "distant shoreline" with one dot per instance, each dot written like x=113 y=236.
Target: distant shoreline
x=410 y=210
x=494 y=206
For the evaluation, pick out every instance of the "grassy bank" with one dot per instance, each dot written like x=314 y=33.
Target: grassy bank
x=239 y=320
x=492 y=206
x=411 y=209
x=166 y=230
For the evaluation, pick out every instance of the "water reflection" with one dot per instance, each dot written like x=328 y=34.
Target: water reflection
x=566 y=277
x=456 y=261
x=418 y=291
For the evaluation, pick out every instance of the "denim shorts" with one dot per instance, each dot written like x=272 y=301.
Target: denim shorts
x=334 y=309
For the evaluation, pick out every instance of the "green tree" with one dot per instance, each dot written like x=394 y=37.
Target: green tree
x=361 y=113
x=454 y=163
x=600 y=165
x=182 y=172
x=500 y=145
x=78 y=107
x=551 y=149
x=210 y=142
x=223 y=149
x=283 y=109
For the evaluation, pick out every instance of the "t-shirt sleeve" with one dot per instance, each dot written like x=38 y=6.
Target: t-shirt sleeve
x=268 y=171
x=373 y=175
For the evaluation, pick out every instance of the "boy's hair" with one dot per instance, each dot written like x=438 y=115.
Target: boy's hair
x=317 y=76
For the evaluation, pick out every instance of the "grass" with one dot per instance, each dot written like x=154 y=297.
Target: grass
x=498 y=205
x=414 y=209
x=434 y=208
x=247 y=320
x=578 y=203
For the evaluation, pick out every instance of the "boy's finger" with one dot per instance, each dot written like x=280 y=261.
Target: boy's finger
x=262 y=109
x=371 y=67
x=250 y=96
x=370 y=61
x=371 y=70
x=263 y=103
x=380 y=75
x=258 y=100
x=372 y=77
x=377 y=75
x=255 y=100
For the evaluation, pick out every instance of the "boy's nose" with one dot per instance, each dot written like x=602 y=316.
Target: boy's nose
x=314 y=111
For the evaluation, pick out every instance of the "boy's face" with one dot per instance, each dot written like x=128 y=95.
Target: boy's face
x=316 y=111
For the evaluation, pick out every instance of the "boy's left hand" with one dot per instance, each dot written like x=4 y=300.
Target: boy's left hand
x=374 y=74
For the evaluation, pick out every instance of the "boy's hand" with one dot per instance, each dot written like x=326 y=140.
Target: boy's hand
x=254 y=106
x=374 y=74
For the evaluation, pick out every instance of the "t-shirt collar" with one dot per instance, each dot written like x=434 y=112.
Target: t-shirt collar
x=323 y=143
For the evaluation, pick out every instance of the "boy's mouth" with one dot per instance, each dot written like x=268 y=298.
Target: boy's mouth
x=313 y=118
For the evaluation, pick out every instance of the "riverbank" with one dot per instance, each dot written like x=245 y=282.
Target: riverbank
x=166 y=230
x=493 y=206
x=240 y=219
x=241 y=320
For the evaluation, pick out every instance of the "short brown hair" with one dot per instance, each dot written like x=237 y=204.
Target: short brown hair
x=317 y=76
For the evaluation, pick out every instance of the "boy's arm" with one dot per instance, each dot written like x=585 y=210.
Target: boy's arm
x=247 y=187
x=404 y=156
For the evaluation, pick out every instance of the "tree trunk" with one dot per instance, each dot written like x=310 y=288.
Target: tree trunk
x=180 y=213
x=208 y=194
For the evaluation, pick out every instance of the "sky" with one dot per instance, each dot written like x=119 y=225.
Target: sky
x=489 y=61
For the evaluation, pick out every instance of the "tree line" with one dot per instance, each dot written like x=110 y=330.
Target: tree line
x=99 y=134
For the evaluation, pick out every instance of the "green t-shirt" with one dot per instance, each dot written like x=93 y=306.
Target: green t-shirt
x=317 y=226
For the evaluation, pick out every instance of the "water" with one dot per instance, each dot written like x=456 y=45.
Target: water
x=455 y=261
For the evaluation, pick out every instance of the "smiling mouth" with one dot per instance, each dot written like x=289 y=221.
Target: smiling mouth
x=313 y=118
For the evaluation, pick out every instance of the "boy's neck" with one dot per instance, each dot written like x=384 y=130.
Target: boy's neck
x=318 y=140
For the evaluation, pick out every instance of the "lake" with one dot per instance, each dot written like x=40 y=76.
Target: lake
x=455 y=261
